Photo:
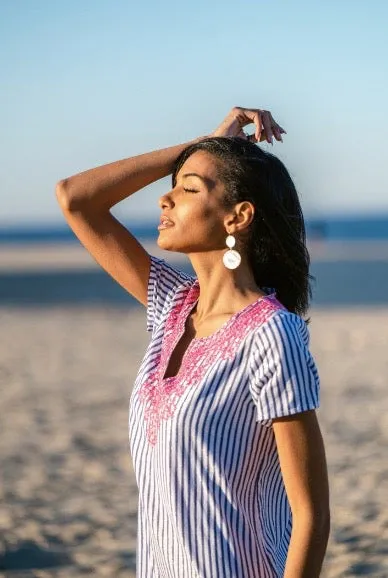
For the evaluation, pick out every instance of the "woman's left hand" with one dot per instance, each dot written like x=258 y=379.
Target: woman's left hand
x=265 y=126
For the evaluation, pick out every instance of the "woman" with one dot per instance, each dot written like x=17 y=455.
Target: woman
x=225 y=442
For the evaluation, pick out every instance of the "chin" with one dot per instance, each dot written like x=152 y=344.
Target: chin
x=169 y=245
x=165 y=244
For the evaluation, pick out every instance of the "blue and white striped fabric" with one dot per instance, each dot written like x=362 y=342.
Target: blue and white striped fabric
x=212 y=502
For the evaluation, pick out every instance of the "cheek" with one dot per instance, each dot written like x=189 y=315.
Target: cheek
x=209 y=225
x=197 y=214
x=204 y=216
x=205 y=221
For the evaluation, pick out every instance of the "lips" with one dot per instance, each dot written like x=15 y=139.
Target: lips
x=166 y=221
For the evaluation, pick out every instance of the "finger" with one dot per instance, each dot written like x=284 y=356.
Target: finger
x=246 y=136
x=277 y=125
x=259 y=125
x=245 y=117
x=276 y=132
x=276 y=128
x=266 y=120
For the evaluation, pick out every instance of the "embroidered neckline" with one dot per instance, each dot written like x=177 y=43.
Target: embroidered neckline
x=193 y=300
x=160 y=395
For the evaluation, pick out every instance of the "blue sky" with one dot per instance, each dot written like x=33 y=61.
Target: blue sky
x=88 y=82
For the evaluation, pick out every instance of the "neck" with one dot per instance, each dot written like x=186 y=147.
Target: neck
x=222 y=290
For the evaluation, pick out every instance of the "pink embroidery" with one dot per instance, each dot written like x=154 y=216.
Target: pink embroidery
x=160 y=396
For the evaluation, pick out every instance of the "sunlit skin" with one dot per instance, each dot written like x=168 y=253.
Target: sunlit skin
x=201 y=225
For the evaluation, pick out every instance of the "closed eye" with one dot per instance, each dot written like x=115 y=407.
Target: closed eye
x=190 y=190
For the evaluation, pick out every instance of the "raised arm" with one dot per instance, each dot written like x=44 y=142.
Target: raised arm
x=86 y=199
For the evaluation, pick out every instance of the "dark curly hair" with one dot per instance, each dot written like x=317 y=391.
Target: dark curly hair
x=276 y=238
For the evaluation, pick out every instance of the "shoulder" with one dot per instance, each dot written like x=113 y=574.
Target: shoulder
x=282 y=325
x=168 y=273
x=282 y=336
x=284 y=377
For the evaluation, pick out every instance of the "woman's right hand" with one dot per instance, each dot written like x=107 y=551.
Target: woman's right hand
x=265 y=126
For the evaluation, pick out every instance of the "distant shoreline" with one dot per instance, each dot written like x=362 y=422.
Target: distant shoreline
x=345 y=274
x=73 y=256
x=318 y=229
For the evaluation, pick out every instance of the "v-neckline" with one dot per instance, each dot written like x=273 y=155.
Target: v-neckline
x=188 y=306
x=229 y=321
x=159 y=396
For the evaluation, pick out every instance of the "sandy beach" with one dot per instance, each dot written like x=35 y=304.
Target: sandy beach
x=68 y=501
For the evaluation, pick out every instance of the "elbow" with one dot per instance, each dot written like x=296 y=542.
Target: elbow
x=316 y=520
x=62 y=194
x=67 y=199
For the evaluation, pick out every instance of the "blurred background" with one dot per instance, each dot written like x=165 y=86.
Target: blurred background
x=88 y=83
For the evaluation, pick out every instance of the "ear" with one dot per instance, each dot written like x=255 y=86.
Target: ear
x=241 y=217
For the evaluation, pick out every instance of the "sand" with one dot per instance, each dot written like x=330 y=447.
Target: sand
x=68 y=494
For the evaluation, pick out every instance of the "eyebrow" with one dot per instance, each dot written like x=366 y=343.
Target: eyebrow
x=209 y=183
x=194 y=175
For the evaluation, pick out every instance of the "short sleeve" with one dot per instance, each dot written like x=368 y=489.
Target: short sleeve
x=163 y=283
x=285 y=379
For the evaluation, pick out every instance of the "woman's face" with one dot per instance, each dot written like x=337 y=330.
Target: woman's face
x=195 y=208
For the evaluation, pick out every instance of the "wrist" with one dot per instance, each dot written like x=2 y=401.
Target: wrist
x=201 y=138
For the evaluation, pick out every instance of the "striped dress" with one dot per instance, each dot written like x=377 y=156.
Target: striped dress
x=212 y=502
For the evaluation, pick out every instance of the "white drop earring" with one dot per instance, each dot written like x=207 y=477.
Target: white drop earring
x=231 y=258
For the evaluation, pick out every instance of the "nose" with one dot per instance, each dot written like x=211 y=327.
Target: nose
x=166 y=201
